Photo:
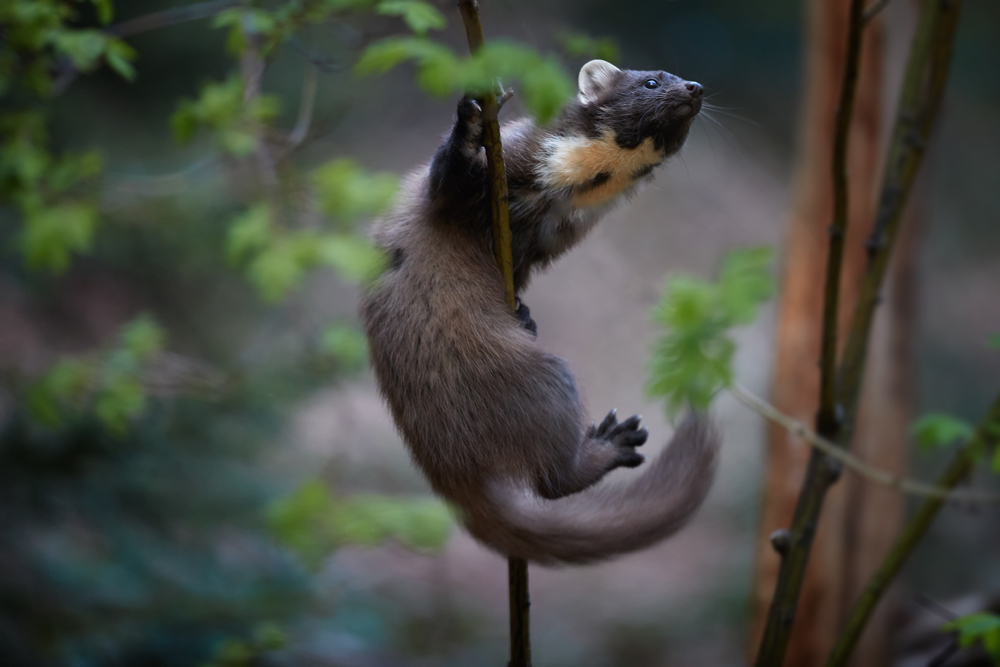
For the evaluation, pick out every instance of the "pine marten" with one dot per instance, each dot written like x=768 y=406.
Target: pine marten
x=494 y=422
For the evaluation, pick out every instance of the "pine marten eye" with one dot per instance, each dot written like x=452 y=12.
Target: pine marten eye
x=651 y=84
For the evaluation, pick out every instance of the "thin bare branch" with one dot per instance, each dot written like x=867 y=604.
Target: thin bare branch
x=923 y=88
x=986 y=436
x=497 y=175
x=304 y=122
x=517 y=568
x=169 y=17
x=887 y=479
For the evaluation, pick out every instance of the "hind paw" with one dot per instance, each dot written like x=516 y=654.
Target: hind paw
x=624 y=436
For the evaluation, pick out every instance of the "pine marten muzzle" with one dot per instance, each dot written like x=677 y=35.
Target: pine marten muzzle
x=494 y=422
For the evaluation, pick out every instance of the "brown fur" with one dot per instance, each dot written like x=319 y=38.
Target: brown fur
x=494 y=422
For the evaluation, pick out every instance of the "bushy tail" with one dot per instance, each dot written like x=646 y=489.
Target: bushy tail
x=611 y=519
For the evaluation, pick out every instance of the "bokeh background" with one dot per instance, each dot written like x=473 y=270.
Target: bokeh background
x=165 y=546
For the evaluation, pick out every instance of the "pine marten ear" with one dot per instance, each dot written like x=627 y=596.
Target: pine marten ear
x=595 y=78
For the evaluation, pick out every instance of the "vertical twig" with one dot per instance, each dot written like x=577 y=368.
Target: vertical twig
x=821 y=471
x=923 y=88
x=517 y=568
x=494 y=158
x=960 y=466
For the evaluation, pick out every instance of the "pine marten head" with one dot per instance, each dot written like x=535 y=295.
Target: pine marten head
x=621 y=126
x=637 y=105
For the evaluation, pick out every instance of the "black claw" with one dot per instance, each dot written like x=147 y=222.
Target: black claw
x=608 y=423
x=631 y=460
x=630 y=424
x=633 y=438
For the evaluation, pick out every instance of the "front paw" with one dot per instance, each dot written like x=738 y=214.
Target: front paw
x=624 y=436
x=524 y=316
x=469 y=126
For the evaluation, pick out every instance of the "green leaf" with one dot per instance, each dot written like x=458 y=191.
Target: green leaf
x=692 y=359
x=746 y=283
x=579 y=44
x=994 y=341
x=120 y=56
x=385 y=54
x=981 y=627
x=67 y=382
x=355 y=258
x=83 y=47
x=143 y=337
x=52 y=235
x=348 y=192
x=346 y=344
x=314 y=524
x=249 y=233
x=105 y=10
x=119 y=402
x=939 y=430
x=420 y=16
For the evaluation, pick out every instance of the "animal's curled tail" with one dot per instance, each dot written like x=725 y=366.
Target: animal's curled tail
x=607 y=520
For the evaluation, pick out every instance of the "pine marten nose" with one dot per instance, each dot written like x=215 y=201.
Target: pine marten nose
x=694 y=88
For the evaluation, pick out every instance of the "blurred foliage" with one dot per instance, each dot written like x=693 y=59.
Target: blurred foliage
x=111 y=387
x=978 y=628
x=267 y=637
x=223 y=109
x=314 y=523
x=692 y=360
x=580 y=44
x=142 y=523
x=544 y=85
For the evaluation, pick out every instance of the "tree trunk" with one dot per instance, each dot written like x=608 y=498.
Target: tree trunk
x=859 y=520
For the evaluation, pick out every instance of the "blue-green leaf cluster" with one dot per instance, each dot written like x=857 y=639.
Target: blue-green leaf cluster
x=983 y=628
x=110 y=386
x=314 y=523
x=544 y=85
x=266 y=637
x=692 y=359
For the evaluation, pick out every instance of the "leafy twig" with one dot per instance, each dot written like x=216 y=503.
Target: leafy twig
x=517 y=568
x=831 y=449
x=986 y=435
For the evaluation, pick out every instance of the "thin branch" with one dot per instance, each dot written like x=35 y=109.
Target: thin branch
x=987 y=435
x=304 y=122
x=923 y=88
x=873 y=10
x=828 y=417
x=494 y=158
x=820 y=472
x=517 y=568
x=169 y=17
x=831 y=449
